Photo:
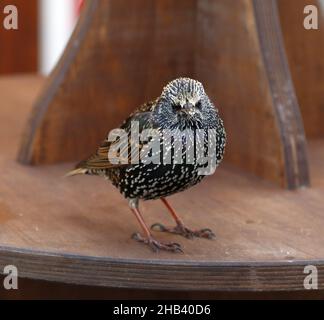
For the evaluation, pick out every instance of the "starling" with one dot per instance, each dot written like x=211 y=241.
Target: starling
x=183 y=110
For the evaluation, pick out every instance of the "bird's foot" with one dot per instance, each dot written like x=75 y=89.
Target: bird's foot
x=184 y=231
x=156 y=245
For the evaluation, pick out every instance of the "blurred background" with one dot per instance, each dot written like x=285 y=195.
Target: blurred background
x=44 y=27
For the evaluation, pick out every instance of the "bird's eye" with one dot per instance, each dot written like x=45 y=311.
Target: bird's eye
x=198 y=104
x=177 y=107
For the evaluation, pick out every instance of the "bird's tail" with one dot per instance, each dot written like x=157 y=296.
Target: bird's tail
x=76 y=172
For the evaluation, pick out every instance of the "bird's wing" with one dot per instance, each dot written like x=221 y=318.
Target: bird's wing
x=101 y=161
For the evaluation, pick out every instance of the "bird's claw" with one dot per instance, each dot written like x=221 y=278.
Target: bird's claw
x=156 y=245
x=159 y=227
x=205 y=233
x=184 y=231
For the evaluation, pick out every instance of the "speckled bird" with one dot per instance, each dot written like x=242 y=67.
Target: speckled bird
x=182 y=107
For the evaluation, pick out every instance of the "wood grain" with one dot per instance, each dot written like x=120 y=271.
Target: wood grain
x=78 y=230
x=113 y=64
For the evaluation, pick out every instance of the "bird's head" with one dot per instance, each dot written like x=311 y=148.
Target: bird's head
x=184 y=104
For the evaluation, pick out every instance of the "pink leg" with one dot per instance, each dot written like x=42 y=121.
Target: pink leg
x=180 y=228
x=154 y=244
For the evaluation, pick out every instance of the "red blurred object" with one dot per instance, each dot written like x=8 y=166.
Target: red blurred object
x=79 y=5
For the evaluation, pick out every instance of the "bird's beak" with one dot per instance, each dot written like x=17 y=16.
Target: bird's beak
x=189 y=108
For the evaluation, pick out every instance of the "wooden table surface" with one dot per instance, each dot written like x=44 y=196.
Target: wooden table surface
x=77 y=230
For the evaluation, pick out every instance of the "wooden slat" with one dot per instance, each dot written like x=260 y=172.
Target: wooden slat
x=305 y=51
x=283 y=94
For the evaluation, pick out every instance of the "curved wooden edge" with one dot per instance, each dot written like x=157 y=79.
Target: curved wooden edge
x=283 y=94
x=158 y=274
x=54 y=81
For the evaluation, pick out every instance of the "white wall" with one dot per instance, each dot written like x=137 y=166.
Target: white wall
x=57 y=19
